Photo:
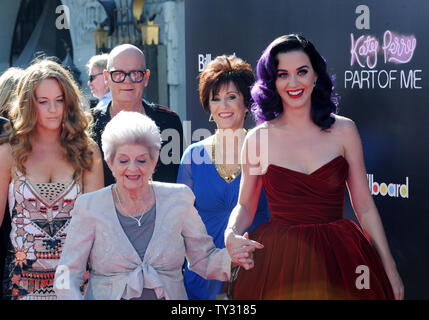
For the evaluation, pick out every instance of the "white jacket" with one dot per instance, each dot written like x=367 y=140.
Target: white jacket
x=95 y=235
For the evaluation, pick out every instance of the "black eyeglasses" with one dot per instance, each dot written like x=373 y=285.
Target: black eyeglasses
x=135 y=76
x=93 y=76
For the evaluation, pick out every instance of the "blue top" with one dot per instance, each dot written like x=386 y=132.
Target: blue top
x=214 y=201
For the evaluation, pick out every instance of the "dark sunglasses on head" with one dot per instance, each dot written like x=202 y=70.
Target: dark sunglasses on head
x=303 y=41
x=93 y=76
x=135 y=76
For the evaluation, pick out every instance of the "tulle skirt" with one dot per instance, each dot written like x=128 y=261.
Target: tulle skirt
x=313 y=261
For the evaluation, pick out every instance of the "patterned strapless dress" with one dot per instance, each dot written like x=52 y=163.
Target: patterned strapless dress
x=40 y=217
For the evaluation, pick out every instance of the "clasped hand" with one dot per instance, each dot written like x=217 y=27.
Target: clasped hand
x=241 y=248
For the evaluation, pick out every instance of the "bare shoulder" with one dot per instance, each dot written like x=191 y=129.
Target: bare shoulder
x=6 y=153
x=344 y=126
x=258 y=128
x=6 y=156
x=255 y=133
x=348 y=135
x=344 y=123
x=93 y=145
x=94 y=148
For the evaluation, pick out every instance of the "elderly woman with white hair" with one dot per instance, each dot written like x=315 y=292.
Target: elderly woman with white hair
x=136 y=233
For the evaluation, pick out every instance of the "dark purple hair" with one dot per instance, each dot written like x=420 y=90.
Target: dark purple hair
x=267 y=102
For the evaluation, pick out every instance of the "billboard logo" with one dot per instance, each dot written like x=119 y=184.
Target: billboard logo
x=394 y=190
x=203 y=61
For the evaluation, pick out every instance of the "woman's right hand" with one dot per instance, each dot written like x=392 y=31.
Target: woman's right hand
x=240 y=249
x=395 y=280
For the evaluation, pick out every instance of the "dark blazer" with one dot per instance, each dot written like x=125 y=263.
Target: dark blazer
x=164 y=118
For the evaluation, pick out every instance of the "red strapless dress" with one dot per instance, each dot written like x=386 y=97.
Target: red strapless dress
x=310 y=251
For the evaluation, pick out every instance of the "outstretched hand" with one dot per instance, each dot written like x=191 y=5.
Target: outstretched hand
x=396 y=282
x=241 y=248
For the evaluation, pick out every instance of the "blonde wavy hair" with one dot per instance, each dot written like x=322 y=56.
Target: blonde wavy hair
x=8 y=82
x=76 y=125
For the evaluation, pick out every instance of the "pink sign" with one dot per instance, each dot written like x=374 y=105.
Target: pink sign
x=364 y=49
x=397 y=48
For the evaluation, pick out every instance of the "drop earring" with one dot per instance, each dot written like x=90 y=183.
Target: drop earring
x=211 y=119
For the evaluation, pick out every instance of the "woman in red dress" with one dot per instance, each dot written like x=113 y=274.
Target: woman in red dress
x=304 y=155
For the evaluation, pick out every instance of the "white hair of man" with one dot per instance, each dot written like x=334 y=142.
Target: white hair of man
x=99 y=61
x=129 y=127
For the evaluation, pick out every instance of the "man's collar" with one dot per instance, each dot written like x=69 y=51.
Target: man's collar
x=108 y=95
x=148 y=107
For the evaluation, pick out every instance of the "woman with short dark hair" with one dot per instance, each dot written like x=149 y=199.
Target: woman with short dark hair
x=211 y=167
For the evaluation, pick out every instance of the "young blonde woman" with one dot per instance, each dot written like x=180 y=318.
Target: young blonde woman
x=49 y=161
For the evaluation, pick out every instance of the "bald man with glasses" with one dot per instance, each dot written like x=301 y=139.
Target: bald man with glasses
x=127 y=77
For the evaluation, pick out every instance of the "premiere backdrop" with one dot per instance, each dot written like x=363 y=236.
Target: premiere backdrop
x=378 y=51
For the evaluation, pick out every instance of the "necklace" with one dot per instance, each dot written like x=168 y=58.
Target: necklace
x=129 y=216
x=227 y=174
